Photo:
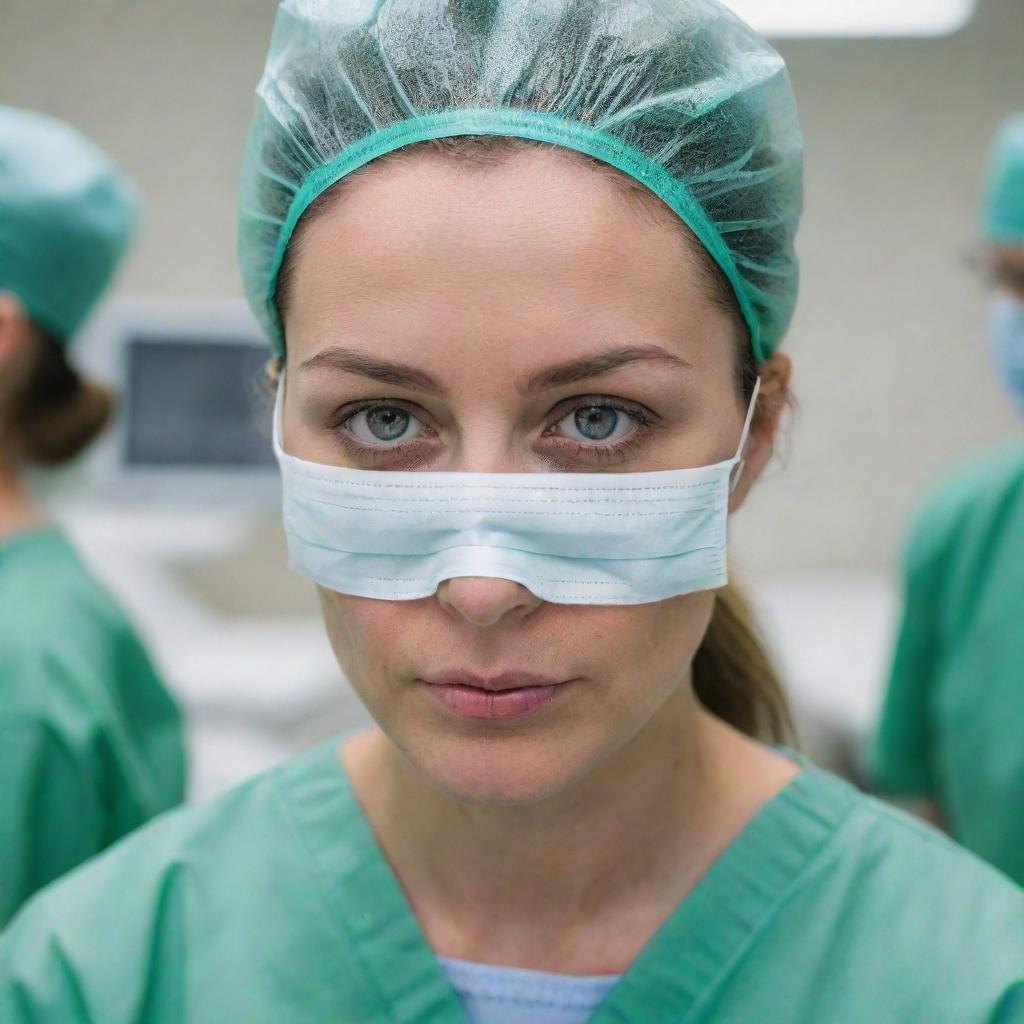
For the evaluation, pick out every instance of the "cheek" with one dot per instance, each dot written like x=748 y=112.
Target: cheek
x=630 y=649
x=364 y=634
x=656 y=640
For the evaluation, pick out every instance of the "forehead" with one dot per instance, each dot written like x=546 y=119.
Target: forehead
x=537 y=250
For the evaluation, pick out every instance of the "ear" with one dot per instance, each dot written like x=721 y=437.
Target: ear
x=15 y=329
x=771 y=404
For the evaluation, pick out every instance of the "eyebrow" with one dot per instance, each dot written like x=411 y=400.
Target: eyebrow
x=560 y=375
x=397 y=374
x=593 y=366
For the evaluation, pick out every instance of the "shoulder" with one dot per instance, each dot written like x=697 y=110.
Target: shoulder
x=916 y=856
x=199 y=842
x=42 y=577
x=886 y=919
x=158 y=897
x=60 y=630
x=971 y=496
x=905 y=899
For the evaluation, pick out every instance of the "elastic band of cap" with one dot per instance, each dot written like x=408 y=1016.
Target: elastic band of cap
x=524 y=125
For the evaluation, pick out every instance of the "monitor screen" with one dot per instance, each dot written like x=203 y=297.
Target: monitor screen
x=195 y=404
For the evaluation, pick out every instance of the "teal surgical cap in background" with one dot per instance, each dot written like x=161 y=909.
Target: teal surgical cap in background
x=679 y=94
x=1004 y=202
x=67 y=215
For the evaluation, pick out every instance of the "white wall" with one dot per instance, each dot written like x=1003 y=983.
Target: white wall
x=891 y=366
x=889 y=342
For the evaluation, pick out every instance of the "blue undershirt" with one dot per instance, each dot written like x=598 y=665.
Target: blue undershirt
x=513 y=995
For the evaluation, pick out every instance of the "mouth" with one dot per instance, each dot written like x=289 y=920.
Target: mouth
x=509 y=695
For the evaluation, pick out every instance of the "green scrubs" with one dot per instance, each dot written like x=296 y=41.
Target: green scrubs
x=90 y=741
x=952 y=728
x=274 y=903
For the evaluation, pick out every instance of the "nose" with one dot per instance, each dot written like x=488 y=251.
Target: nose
x=485 y=602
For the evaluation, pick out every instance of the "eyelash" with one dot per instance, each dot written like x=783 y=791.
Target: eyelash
x=606 y=454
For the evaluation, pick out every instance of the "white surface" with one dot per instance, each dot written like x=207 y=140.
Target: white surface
x=831 y=634
x=824 y=18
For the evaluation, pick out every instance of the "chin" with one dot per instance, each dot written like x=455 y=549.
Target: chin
x=500 y=769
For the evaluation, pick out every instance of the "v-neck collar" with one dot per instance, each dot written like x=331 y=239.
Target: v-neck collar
x=676 y=972
x=689 y=957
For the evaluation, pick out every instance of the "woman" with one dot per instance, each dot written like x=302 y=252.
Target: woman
x=511 y=425
x=90 y=741
x=951 y=737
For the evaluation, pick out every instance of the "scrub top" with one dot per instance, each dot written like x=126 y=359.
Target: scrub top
x=91 y=743
x=952 y=727
x=275 y=903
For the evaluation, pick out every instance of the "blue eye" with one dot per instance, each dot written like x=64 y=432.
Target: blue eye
x=596 y=423
x=384 y=425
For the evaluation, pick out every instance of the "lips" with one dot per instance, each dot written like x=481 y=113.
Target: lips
x=508 y=695
x=494 y=684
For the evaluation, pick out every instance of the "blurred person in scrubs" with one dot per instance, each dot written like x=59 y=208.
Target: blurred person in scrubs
x=951 y=735
x=526 y=268
x=90 y=740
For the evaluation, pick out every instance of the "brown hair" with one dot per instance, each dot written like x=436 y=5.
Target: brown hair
x=733 y=673
x=55 y=414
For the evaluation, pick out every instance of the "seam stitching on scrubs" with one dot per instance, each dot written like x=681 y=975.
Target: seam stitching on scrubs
x=335 y=920
x=896 y=817
x=769 y=915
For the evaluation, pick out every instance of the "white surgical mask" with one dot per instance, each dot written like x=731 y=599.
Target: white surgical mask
x=569 y=538
x=1007 y=335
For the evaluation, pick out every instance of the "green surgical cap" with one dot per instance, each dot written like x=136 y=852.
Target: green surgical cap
x=67 y=214
x=679 y=94
x=1004 y=201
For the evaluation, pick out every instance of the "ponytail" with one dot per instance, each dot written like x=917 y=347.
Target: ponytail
x=733 y=674
x=56 y=413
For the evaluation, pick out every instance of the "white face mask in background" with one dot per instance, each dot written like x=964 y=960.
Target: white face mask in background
x=1007 y=339
x=569 y=538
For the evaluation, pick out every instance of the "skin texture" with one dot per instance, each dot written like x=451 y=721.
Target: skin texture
x=580 y=827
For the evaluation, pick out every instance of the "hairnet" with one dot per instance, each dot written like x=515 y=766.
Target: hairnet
x=1004 y=202
x=67 y=214
x=679 y=94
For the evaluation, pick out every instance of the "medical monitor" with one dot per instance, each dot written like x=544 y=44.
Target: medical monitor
x=193 y=422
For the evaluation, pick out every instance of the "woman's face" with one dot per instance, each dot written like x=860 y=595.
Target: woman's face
x=522 y=317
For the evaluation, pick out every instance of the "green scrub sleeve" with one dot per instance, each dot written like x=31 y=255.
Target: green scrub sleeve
x=52 y=820
x=901 y=755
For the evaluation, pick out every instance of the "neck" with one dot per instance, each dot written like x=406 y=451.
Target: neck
x=581 y=880
x=17 y=509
